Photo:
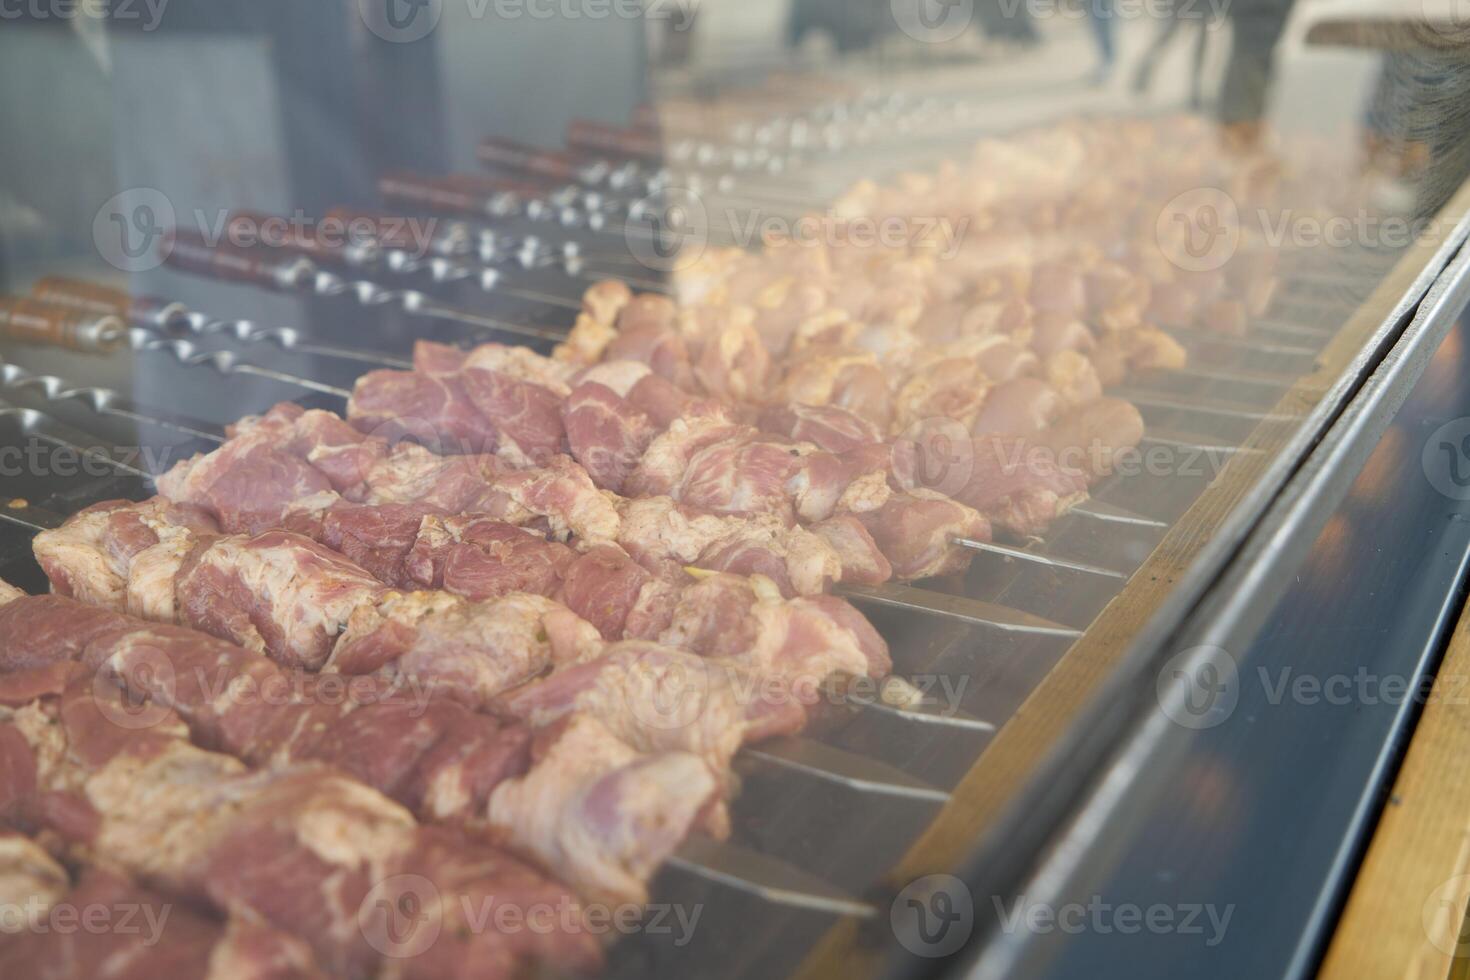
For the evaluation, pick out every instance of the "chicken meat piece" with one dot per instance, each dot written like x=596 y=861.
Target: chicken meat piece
x=798 y=642
x=828 y=427
x=268 y=844
x=917 y=531
x=658 y=699
x=607 y=435
x=91 y=556
x=602 y=816
x=470 y=651
x=620 y=597
x=1093 y=438
x=278 y=593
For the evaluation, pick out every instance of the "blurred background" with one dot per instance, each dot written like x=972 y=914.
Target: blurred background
x=288 y=105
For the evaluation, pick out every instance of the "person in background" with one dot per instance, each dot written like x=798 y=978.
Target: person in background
x=1101 y=15
x=1181 y=13
x=1255 y=28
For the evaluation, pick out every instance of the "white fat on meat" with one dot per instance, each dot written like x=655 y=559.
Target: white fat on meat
x=619 y=376
x=31 y=881
x=798 y=642
x=867 y=493
x=151 y=592
x=666 y=460
x=85 y=559
x=9 y=593
x=813 y=380
x=310 y=591
x=523 y=363
x=79 y=565
x=604 y=300
x=469 y=650
x=564 y=494
x=658 y=528
x=659 y=699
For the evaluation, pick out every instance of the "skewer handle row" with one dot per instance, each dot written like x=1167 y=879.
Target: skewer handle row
x=28 y=320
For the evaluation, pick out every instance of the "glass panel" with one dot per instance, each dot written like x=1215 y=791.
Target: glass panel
x=972 y=321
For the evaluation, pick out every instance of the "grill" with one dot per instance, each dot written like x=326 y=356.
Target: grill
x=829 y=826
x=1285 y=514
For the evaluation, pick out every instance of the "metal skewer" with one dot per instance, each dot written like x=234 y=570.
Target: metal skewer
x=973 y=611
x=225 y=362
x=1030 y=556
x=104 y=401
x=1204 y=406
x=765 y=877
x=1108 y=513
x=51 y=430
x=831 y=764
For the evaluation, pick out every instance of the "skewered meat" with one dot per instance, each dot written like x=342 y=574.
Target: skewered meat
x=801 y=642
x=801 y=562
x=617 y=595
x=91 y=560
x=278 y=592
x=1093 y=438
x=1019 y=486
x=148 y=934
x=468 y=650
x=410 y=546
x=307 y=606
x=657 y=699
x=916 y=530
x=445 y=761
x=430 y=753
x=302 y=847
x=371 y=470
x=719 y=465
x=602 y=816
x=606 y=434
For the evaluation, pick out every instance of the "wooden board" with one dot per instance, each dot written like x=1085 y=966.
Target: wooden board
x=1405 y=916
